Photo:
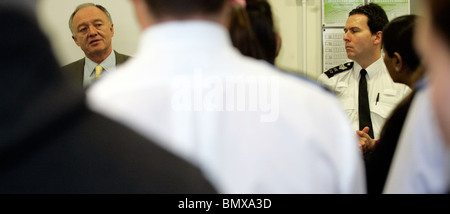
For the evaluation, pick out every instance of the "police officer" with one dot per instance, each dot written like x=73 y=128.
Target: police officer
x=364 y=85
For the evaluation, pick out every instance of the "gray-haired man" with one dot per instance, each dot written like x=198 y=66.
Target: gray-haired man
x=92 y=30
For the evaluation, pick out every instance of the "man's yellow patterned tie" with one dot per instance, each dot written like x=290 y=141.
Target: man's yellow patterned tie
x=98 y=71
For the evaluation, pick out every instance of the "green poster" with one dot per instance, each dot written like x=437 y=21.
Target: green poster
x=394 y=8
x=335 y=12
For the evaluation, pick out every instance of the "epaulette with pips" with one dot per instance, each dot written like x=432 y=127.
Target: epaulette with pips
x=339 y=69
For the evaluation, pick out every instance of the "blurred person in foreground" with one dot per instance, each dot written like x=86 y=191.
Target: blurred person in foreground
x=52 y=144
x=249 y=127
x=421 y=163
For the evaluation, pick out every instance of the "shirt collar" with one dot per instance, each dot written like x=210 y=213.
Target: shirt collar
x=108 y=64
x=372 y=70
x=196 y=33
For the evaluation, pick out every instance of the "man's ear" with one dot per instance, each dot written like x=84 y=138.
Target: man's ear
x=112 y=29
x=378 y=38
x=75 y=40
x=279 y=42
x=143 y=14
x=234 y=3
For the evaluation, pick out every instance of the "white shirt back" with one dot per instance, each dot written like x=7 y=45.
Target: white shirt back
x=421 y=163
x=249 y=127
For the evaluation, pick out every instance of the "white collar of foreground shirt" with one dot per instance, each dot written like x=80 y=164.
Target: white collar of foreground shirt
x=186 y=33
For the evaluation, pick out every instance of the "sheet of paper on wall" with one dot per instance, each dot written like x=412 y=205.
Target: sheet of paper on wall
x=335 y=12
x=334 y=53
x=394 y=8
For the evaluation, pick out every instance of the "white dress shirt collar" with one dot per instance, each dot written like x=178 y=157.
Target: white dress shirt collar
x=373 y=70
x=181 y=34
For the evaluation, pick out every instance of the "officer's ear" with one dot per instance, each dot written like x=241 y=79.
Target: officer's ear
x=378 y=36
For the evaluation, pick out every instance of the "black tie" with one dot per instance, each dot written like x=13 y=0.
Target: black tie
x=363 y=105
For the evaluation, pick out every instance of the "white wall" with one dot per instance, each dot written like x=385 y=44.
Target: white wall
x=289 y=19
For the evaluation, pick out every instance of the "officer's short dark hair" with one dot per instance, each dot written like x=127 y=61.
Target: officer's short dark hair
x=184 y=8
x=377 y=17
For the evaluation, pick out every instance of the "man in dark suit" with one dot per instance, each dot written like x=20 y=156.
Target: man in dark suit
x=52 y=143
x=92 y=30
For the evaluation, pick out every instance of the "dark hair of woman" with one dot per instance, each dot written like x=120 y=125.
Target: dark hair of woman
x=398 y=37
x=242 y=35
x=262 y=24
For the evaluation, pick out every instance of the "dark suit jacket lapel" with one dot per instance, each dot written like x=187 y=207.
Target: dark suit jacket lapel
x=74 y=71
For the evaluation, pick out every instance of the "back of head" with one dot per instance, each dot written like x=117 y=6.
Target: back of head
x=440 y=16
x=377 y=17
x=26 y=52
x=261 y=19
x=398 y=37
x=27 y=63
x=184 y=8
x=29 y=6
x=242 y=35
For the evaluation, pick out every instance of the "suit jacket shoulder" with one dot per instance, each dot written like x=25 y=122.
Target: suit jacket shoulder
x=339 y=69
x=74 y=71
x=121 y=58
x=78 y=65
